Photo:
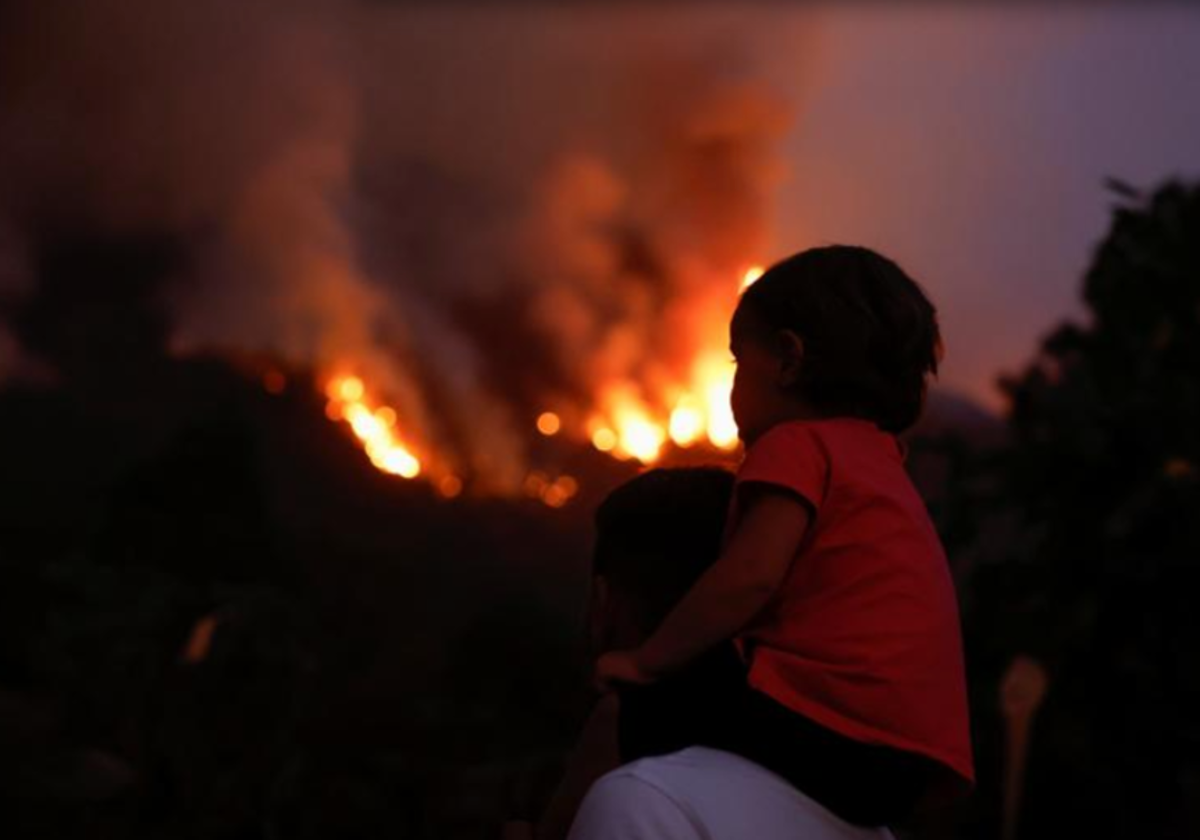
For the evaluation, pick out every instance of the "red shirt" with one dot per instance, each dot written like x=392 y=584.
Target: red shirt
x=863 y=636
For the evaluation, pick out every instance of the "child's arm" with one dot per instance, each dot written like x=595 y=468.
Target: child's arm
x=727 y=596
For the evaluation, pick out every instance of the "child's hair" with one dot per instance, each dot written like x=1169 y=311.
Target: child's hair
x=657 y=533
x=870 y=334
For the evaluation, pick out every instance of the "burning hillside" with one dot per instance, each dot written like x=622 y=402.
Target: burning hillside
x=450 y=275
x=624 y=421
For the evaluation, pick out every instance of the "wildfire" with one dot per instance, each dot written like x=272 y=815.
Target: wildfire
x=631 y=428
x=628 y=426
x=627 y=423
x=374 y=427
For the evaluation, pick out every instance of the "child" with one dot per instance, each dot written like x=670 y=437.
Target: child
x=832 y=583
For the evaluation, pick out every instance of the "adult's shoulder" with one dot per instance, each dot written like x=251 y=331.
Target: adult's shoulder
x=705 y=793
x=627 y=803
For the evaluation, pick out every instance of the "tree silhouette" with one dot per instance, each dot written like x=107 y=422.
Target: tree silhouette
x=1102 y=478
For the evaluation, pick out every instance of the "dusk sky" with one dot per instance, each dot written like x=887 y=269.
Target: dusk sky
x=972 y=146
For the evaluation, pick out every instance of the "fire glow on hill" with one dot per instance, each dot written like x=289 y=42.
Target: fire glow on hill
x=624 y=423
x=476 y=237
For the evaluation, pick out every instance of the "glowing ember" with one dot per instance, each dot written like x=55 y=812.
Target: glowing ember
x=374 y=427
x=549 y=424
x=552 y=493
x=604 y=439
x=1179 y=468
x=555 y=496
x=349 y=390
x=535 y=484
x=631 y=427
x=199 y=643
x=274 y=382
x=450 y=486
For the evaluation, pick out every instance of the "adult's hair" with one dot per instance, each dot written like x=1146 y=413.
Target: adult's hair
x=656 y=534
x=870 y=334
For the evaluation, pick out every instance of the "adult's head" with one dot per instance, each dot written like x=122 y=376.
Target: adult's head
x=655 y=535
x=841 y=328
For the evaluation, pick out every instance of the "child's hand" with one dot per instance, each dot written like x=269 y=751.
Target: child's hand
x=620 y=667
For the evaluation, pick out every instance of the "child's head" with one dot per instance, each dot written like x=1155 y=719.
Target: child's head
x=840 y=331
x=655 y=535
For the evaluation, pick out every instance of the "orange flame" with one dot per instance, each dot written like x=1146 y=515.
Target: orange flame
x=629 y=426
x=374 y=427
x=687 y=422
x=628 y=423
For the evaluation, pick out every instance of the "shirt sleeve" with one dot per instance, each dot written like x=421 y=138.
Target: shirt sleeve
x=792 y=457
x=624 y=807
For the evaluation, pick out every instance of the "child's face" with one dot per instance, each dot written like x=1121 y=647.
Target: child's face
x=758 y=397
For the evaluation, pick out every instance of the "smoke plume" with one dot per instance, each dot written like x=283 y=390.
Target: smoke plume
x=479 y=213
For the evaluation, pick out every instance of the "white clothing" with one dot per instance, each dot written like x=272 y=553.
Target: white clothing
x=705 y=794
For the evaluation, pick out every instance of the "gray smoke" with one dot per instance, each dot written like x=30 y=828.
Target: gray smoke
x=356 y=177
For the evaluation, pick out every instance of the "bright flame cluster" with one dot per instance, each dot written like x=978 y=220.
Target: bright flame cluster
x=375 y=427
x=624 y=425
x=628 y=427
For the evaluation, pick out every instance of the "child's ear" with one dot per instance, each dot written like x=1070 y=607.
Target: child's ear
x=791 y=357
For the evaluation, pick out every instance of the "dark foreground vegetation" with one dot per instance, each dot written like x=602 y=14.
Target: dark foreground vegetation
x=216 y=620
